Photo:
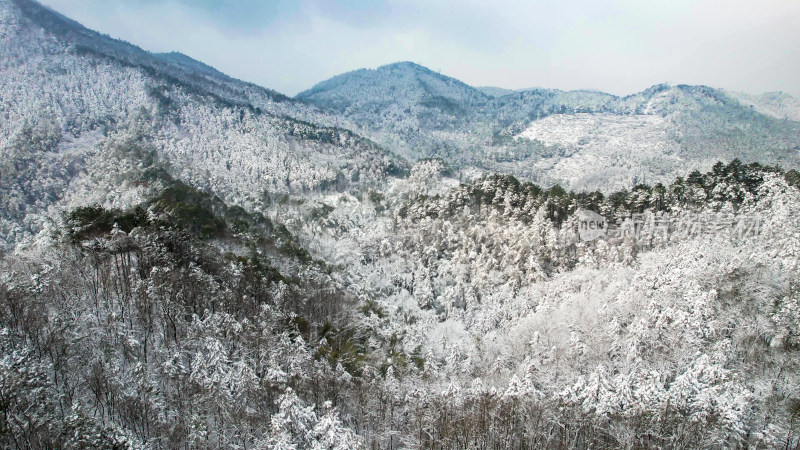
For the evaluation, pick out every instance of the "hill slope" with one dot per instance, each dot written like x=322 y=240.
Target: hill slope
x=85 y=116
x=217 y=266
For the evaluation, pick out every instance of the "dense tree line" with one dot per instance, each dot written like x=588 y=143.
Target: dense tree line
x=734 y=184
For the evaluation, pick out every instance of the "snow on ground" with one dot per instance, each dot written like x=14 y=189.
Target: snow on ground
x=621 y=143
x=585 y=130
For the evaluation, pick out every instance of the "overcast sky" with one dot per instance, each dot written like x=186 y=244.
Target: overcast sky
x=619 y=47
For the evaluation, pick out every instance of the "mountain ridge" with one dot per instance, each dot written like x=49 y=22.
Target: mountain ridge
x=89 y=116
x=84 y=39
x=186 y=261
x=693 y=126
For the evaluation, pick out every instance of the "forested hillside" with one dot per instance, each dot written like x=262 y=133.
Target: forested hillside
x=83 y=115
x=191 y=261
x=475 y=318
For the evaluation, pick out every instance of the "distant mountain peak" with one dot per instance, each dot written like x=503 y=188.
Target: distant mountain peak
x=413 y=67
x=400 y=82
x=404 y=65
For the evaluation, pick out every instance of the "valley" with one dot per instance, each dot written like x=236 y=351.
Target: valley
x=390 y=259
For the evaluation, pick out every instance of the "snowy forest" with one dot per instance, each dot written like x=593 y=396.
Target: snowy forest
x=191 y=261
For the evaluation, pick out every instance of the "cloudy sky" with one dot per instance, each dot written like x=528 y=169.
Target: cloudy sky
x=619 y=46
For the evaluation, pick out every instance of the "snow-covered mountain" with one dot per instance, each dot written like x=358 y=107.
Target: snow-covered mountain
x=190 y=260
x=404 y=106
x=404 y=82
x=669 y=129
x=84 y=116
